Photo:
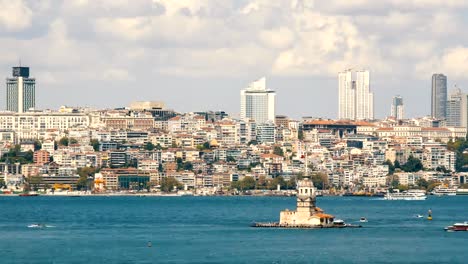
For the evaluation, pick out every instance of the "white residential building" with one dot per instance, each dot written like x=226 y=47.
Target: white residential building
x=258 y=102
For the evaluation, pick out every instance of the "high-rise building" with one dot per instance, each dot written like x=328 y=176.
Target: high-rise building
x=397 y=110
x=457 y=115
x=355 y=100
x=258 y=102
x=20 y=91
x=439 y=96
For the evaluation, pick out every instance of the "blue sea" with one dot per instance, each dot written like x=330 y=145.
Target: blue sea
x=216 y=230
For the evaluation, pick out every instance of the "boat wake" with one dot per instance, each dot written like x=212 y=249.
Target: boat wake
x=40 y=226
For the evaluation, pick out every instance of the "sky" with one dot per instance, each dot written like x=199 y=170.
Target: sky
x=198 y=55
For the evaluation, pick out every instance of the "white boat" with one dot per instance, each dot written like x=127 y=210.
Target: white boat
x=440 y=190
x=363 y=220
x=462 y=191
x=410 y=195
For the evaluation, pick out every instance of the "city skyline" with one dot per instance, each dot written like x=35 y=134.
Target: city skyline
x=151 y=43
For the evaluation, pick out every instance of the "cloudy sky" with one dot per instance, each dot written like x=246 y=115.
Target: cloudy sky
x=197 y=54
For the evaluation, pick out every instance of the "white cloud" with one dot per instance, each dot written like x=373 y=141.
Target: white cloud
x=15 y=15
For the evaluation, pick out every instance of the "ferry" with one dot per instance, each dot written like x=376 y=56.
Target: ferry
x=410 y=195
x=462 y=191
x=457 y=227
x=440 y=191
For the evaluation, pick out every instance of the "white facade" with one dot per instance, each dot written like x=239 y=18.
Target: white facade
x=355 y=101
x=457 y=115
x=258 y=102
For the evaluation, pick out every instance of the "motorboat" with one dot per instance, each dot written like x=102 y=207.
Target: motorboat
x=457 y=227
x=36 y=226
x=419 y=216
x=410 y=195
x=363 y=220
x=339 y=223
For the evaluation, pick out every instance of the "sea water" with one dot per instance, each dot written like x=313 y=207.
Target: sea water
x=216 y=230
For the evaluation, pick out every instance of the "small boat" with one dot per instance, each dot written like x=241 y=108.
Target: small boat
x=36 y=226
x=419 y=216
x=457 y=227
x=363 y=220
x=339 y=223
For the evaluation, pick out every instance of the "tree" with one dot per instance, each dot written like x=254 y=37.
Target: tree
x=37 y=145
x=412 y=165
x=247 y=183
x=261 y=182
x=85 y=173
x=72 y=141
x=252 y=142
x=168 y=184
x=422 y=183
x=300 y=135
x=278 y=151
x=188 y=166
x=320 y=180
x=34 y=182
x=273 y=184
x=397 y=164
x=63 y=141
x=230 y=159
x=391 y=167
x=402 y=187
x=2 y=183
x=149 y=146
x=95 y=143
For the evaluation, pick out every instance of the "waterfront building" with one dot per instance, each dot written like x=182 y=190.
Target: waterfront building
x=439 y=96
x=457 y=109
x=258 y=102
x=306 y=214
x=20 y=91
x=355 y=100
x=397 y=108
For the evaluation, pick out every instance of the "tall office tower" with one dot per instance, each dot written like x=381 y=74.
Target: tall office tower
x=397 y=110
x=356 y=101
x=457 y=109
x=258 y=102
x=20 y=91
x=439 y=96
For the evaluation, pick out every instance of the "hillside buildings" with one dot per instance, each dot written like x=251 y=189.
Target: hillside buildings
x=20 y=91
x=257 y=102
x=355 y=100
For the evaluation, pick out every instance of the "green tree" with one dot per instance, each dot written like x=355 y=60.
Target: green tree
x=2 y=183
x=272 y=185
x=261 y=182
x=391 y=167
x=278 y=151
x=95 y=143
x=63 y=141
x=402 y=187
x=168 y=184
x=397 y=164
x=72 y=141
x=188 y=166
x=320 y=180
x=149 y=146
x=247 y=183
x=412 y=165
x=37 y=145
x=252 y=142
x=300 y=135
x=422 y=183
x=230 y=159
x=85 y=173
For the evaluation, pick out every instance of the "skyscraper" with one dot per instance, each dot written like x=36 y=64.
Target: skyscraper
x=439 y=96
x=397 y=110
x=20 y=91
x=355 y=100
x=457 y=109
x=258 y=102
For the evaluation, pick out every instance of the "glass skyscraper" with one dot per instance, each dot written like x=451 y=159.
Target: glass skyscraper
x=20 y=91
x=397 y=109
x=439 y=96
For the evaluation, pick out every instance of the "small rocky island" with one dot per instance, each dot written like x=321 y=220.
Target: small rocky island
x=307 y=215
